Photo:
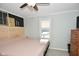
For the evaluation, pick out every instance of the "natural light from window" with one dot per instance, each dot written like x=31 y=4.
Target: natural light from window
x=45 y=29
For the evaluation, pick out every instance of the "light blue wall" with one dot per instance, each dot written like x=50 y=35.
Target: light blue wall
x=61 y=25
x=61 y=29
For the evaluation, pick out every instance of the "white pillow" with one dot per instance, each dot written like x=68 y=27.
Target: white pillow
x=44 y=41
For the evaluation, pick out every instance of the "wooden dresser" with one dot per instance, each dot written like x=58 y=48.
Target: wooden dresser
x=74 y=48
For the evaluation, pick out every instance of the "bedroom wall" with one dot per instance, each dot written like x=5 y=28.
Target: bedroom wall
x=32 y=27
x=61 y=24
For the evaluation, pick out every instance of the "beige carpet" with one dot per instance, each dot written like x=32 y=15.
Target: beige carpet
x=53 y=52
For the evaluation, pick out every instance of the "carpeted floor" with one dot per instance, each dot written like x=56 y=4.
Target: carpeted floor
x=53 y=52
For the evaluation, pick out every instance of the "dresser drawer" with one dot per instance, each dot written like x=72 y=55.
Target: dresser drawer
x=73 y=50
x=75 y=31
x=75 y=36
x=75 y=43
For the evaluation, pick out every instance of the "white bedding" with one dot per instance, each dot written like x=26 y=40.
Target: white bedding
x=22 y=47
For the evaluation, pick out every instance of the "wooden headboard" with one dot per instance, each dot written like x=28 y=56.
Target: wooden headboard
x=16 y=32
x=3 y=32
x=11 y=32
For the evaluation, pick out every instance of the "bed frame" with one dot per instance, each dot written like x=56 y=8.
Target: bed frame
x=46 y=49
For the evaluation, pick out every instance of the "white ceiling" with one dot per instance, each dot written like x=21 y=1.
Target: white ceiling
x=43 y=10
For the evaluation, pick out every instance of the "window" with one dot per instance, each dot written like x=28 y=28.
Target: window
x=0 y=17
x=3 y=18
x=45 y=29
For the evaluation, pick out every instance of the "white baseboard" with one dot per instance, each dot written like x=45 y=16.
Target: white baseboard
x=59 y=49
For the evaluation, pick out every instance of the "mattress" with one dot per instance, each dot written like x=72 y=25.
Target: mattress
x=22 y=47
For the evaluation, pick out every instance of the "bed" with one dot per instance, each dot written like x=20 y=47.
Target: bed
x=23 y=46
x=13 y=42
